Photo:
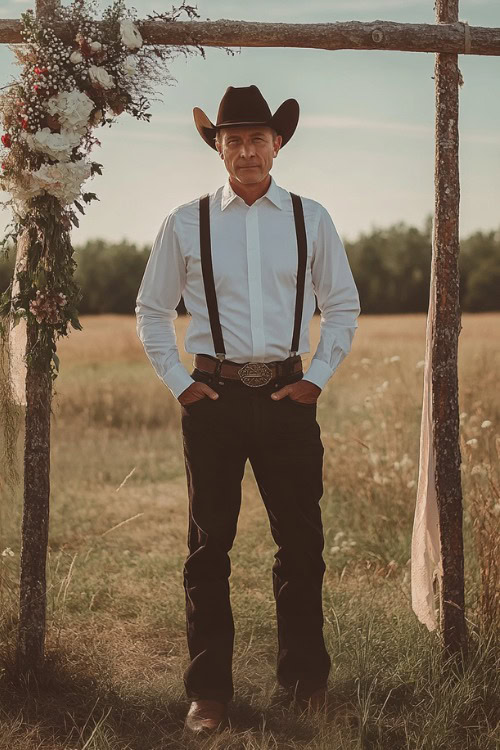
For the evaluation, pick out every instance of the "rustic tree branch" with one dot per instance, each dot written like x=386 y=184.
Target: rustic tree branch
x=30 y=654
x=445 y=331
x=31 y=631
x=374 y=35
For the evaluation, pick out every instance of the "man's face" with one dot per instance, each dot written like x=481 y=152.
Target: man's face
x=248 y=152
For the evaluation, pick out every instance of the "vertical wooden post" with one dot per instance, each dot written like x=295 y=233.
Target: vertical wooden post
x=32 y=604
x=445 y=331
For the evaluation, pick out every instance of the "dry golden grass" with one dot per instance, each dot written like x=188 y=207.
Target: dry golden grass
x=116 y=638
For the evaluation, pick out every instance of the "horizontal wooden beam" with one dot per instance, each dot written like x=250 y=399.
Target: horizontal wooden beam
x=457 y=37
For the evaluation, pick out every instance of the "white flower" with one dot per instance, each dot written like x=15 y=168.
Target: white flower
x=338 y=536
x=130 y=34
x=95 y=46
x=73 y=109
x=395 y=358
x=478 y=469
x=129 y=66
x=63 y=180
x=485 y=424
x=411 y=484
x=472 y=442
x=56 y=145
x=334 y=550
x=101 y=77
x=76 y=57
x=7 y=551
x=22 y=189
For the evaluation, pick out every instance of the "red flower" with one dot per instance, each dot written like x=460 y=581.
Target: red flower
x=36 y=87
x=40 y=70
x=24 y=123
x=6 y=140
x=4 y=165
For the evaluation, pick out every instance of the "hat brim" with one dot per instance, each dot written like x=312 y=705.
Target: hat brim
x=284 y=121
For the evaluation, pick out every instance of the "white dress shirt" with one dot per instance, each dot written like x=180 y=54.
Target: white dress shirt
x=254 y=256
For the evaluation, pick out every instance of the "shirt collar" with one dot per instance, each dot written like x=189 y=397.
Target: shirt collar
x=228 y=194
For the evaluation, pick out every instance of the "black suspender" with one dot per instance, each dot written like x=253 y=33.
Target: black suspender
x=208 y=277
x=300 y=231
x=208 y=273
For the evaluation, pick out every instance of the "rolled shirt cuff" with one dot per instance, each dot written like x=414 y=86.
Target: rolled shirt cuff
x=318 y=373
x=178 y=379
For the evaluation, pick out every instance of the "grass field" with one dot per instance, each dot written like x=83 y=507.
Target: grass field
x=116 y=634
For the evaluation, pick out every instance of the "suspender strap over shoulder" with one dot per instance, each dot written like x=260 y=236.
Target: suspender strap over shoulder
x=208 y=273
x=208 y=277
x=300 y=230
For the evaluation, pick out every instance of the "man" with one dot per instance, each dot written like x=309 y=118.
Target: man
x=248 y=260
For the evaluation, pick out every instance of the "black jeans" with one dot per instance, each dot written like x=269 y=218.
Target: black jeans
x=282 y=441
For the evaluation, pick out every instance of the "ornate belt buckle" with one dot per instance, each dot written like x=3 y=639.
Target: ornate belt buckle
x=255 y=374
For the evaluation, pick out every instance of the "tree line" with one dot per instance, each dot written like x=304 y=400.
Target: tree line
x=391 y=268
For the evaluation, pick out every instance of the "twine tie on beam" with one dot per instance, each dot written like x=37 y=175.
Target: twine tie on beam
x=466 y=26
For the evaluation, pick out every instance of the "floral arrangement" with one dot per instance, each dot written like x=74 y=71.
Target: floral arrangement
x=71 y=83
x=66 y=90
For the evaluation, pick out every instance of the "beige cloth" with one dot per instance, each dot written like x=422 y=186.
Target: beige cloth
x=17 y=338
x=425 y=544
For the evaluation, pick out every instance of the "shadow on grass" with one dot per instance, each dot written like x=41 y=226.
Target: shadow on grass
x=77 y=703
x=69 y=707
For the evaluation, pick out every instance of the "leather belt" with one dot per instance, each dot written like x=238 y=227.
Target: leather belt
x=253 y=374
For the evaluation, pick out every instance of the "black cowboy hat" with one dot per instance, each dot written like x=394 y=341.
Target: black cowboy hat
x=246 y=106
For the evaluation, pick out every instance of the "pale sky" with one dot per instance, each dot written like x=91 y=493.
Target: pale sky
x=364 y=144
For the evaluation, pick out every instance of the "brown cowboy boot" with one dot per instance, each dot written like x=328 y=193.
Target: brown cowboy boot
x=206 y=716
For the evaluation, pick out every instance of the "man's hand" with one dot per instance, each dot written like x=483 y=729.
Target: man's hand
x=195 y=392
x=303 y=391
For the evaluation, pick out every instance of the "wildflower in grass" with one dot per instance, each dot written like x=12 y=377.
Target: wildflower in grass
x=472 y=442
x=486 y=424
x=463 y=416
x=479 y=469
x=411 y=484
x=7 y=552
x=395 y=358
x=405 y=463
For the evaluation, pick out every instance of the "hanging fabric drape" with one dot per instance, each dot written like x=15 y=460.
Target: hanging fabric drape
x=17 y=335
x=426 y=569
